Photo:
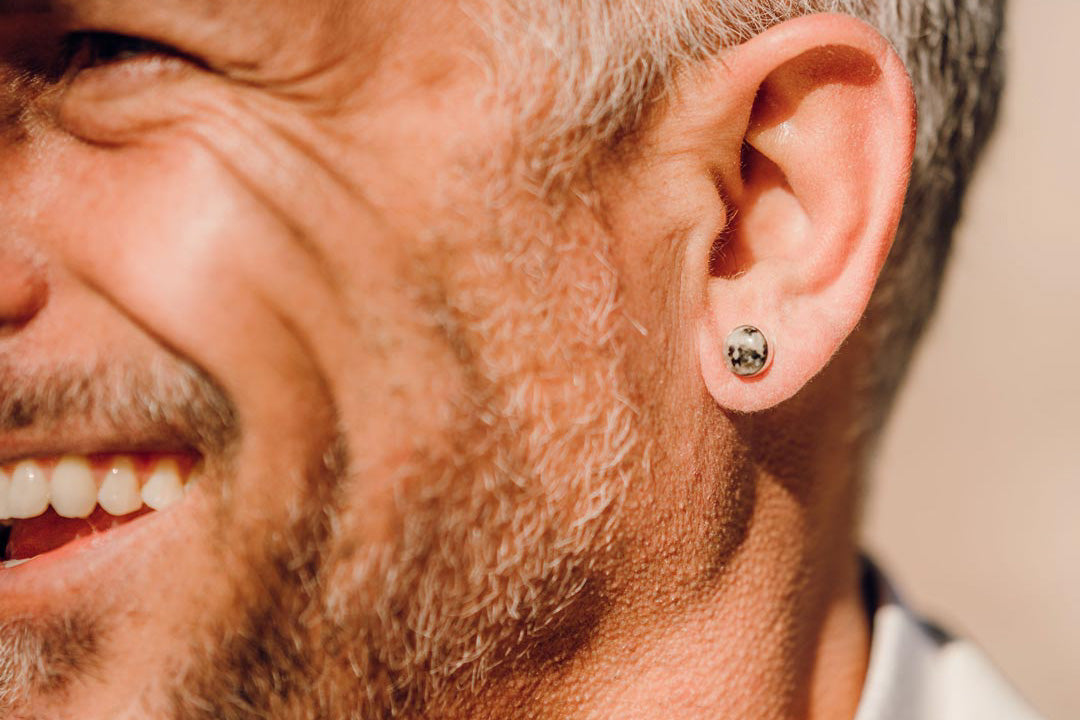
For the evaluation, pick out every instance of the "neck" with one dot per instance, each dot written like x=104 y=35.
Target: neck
x=779 y=630
x=782 y=634
x=785 y=635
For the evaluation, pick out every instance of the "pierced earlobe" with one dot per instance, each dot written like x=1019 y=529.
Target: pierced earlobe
x=747 y=351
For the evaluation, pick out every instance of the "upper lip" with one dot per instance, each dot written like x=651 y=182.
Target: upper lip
x=166 y=407
x=32 y=443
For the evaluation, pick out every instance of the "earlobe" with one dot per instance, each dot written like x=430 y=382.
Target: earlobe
x=826 y=118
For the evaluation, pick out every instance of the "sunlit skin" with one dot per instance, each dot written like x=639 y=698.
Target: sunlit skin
x=316 y=206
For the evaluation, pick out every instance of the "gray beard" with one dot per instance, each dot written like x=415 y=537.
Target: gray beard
x=442 y=608
x=494 y=572
x=496 y=568
x=404 y=637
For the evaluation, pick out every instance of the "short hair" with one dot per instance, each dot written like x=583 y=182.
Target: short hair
x=609 y=64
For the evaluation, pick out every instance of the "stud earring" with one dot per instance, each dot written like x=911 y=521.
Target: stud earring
x=747 y=351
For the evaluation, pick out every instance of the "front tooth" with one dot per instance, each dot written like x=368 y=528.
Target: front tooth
x=5 y=491
x=29 y=491
x=74 y=493
x=164 y=487
x=119 y=493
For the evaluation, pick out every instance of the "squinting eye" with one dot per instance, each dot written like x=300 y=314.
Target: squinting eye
x=95 y=70
x=88 y=50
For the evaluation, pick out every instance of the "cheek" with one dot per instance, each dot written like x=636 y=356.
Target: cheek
x=171 y=241
x=298 y=305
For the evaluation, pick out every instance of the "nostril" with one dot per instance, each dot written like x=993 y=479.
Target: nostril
x=23 y=289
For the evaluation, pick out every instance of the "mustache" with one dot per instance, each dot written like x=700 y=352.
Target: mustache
x=165 y=401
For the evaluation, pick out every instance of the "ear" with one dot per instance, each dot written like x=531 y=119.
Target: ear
x=814 y=178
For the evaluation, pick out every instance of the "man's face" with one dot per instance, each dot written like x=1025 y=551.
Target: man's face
x=275 y=251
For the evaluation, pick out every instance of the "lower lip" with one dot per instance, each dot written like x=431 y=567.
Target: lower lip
x=68 y=565
x=75 y=546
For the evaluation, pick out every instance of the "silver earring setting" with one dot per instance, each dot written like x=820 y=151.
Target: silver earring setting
x=747 y=351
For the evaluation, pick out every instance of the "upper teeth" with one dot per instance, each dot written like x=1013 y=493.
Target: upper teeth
x=76 y=487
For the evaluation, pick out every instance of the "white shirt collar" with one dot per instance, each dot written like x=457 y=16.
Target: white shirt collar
x=917 y=672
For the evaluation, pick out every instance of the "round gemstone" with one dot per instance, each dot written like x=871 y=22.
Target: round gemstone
x=747 y=351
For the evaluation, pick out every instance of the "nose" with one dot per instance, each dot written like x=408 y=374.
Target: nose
x=23 y=289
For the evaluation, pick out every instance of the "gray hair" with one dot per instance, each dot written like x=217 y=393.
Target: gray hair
x=610 y=63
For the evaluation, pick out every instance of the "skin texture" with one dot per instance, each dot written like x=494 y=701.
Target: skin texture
x=466 y=457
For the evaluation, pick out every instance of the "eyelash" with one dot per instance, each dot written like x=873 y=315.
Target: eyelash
x=88 y=50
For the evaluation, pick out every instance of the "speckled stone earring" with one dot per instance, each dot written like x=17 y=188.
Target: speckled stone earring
x=747 y=351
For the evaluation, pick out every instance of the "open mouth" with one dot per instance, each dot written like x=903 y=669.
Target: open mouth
x=49 y=502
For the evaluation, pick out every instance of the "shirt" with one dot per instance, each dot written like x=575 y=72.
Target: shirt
x=917 y=672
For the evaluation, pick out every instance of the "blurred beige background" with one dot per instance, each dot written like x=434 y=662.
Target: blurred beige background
x=975 y=508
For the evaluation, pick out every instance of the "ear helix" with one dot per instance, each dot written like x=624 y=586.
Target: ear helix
x=747 y=351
